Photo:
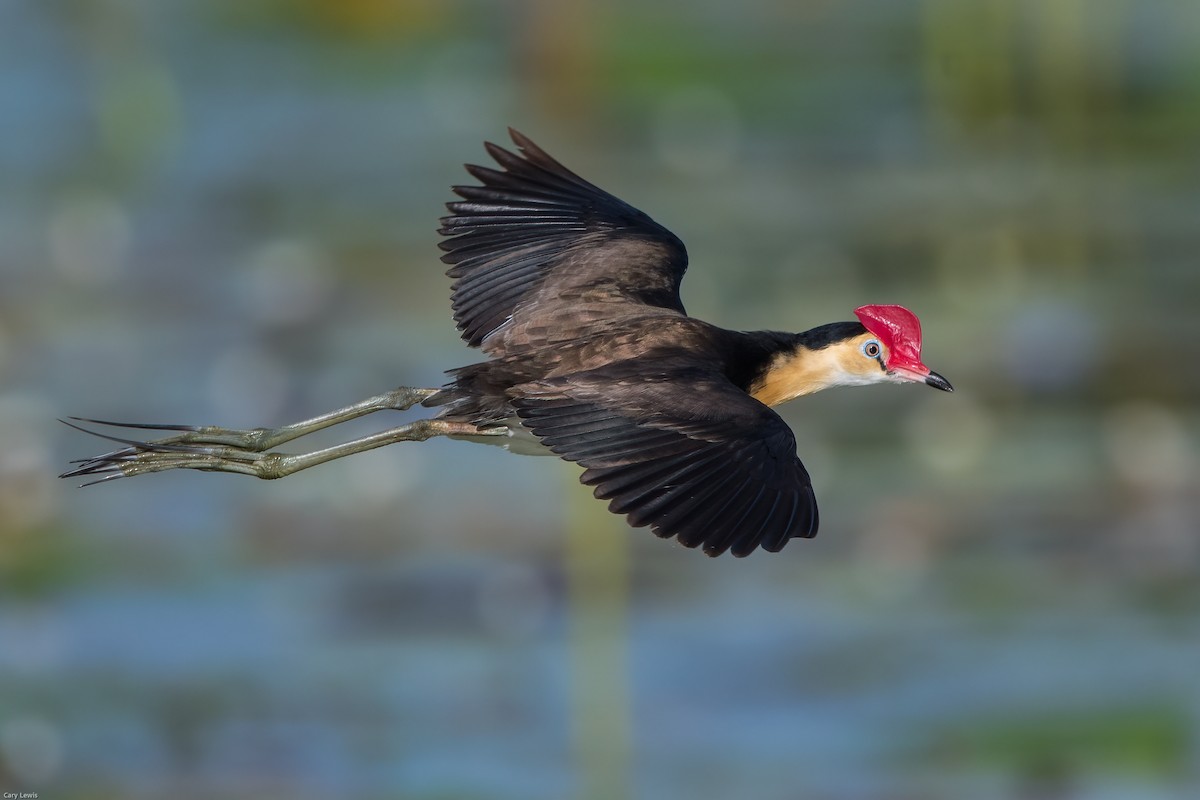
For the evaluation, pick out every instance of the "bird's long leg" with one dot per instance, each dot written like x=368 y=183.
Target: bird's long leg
x=244 y=451
x=260 y=439
x=142 y=458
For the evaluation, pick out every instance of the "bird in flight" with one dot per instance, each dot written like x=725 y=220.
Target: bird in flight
x=574 y=296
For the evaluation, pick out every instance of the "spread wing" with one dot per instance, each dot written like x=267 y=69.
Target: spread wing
x=714 y=467
x=536 y=235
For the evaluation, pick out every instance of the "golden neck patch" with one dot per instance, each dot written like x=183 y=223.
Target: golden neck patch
x=805 y=371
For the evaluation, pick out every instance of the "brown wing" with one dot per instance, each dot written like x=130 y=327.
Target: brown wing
x=536 y=235
x=683 y=451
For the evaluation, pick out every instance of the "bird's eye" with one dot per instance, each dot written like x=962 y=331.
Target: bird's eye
x=871 y=349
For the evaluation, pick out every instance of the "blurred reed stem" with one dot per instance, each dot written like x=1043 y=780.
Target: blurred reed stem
x=598 y=595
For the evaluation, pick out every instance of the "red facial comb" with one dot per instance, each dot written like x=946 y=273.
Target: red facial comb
x=900 y=332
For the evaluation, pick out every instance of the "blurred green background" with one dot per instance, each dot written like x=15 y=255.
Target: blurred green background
x=224 y=212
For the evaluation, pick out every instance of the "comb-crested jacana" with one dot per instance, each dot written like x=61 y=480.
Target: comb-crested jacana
x=575 y=296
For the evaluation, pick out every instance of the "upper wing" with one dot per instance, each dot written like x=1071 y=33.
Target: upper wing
x=710 y=466
x=536 y=231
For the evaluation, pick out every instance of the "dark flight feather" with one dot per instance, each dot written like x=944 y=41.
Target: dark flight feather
x=535 y=229
x=718 y=470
